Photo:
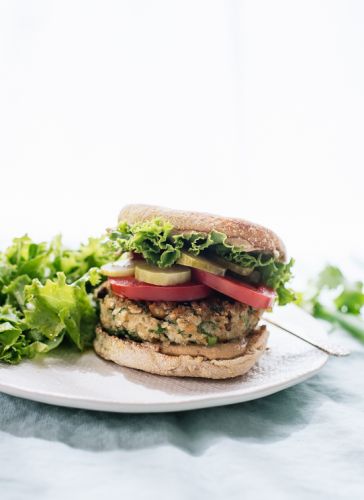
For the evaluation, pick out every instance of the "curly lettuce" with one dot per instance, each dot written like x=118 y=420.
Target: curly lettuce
x=45 y=296
x=156 y=241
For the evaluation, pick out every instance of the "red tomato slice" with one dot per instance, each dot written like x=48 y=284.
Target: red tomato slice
x=137 y=290
x=258 y=297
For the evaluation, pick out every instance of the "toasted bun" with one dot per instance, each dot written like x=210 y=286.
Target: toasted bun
x=241 y=233
x=144 y=356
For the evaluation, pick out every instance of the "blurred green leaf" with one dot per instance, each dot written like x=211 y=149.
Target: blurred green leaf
x=342 y=306
x=330 y=277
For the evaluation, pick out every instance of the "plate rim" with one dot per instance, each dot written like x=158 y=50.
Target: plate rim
x=160 y=407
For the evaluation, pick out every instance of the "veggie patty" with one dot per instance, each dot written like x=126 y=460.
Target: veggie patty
x=203 y=322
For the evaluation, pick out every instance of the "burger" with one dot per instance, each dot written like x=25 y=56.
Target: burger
x=186 y=292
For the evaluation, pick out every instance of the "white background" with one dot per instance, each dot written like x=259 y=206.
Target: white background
x=251 y=108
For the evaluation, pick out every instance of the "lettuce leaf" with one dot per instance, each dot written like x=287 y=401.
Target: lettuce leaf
x=56 y=307
x=45 y=295
x=42 y=261
x=156 y=241
x=76 y=263
x=16 y=342
x=150 y=239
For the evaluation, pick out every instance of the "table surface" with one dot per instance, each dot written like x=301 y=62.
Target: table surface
x=305 y=442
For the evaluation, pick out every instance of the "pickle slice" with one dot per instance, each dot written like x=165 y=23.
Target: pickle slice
x=202 y=263
x=243 y=271
x=153 y=275
x=119 y=269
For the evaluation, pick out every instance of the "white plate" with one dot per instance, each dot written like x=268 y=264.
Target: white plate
x=86 y=381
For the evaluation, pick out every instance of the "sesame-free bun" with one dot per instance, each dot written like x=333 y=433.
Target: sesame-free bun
x=147 y=357
x=240 y=233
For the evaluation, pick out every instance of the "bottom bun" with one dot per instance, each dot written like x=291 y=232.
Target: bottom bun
x=145 y=356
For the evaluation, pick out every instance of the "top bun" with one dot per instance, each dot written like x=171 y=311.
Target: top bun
x=240 y=233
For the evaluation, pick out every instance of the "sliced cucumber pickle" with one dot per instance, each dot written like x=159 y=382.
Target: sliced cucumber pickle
x=119 y=269
x=243 y=271
x=153 y=275
x=202 y=263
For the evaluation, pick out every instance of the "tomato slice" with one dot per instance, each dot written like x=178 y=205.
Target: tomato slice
x=137 y=290
x=259 y=297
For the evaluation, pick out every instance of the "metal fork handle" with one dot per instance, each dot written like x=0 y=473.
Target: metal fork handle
x=328 y=347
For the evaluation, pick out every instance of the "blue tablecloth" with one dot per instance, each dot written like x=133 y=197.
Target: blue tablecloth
x=305 y=442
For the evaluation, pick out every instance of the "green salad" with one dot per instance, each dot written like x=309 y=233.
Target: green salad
x=45 y=296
